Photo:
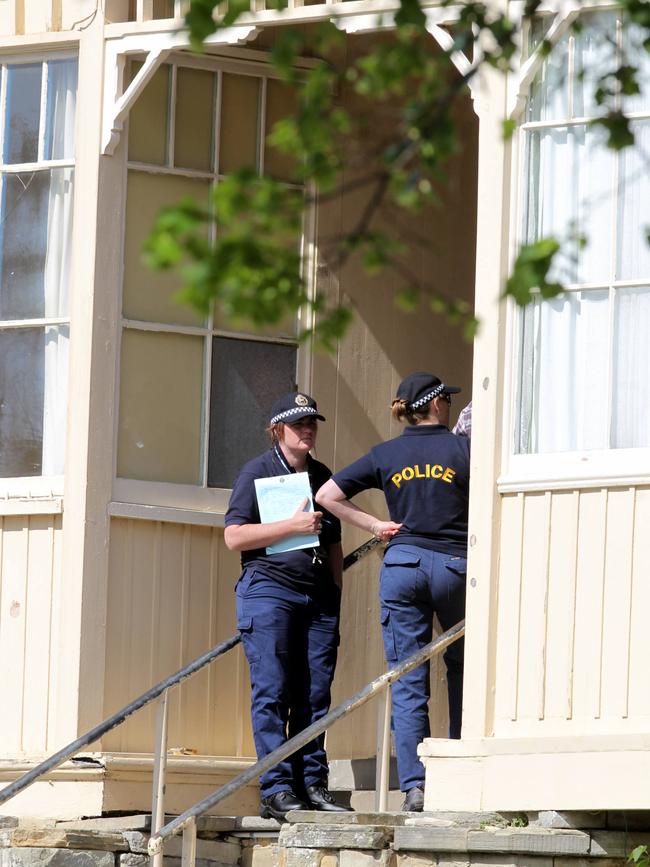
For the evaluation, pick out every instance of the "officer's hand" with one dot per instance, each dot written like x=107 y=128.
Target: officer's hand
x=385 y=530
x=306 y=522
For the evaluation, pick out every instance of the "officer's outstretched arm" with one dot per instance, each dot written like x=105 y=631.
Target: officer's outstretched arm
x=332 y=498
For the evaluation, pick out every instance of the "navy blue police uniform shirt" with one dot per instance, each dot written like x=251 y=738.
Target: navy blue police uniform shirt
x=424 y=474
x=299 y=570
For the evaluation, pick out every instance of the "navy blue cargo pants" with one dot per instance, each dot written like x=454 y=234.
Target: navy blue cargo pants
x=291 y=643
x=415 y=584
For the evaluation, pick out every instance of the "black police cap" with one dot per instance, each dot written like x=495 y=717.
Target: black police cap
x=418 y=389
x=294 y=406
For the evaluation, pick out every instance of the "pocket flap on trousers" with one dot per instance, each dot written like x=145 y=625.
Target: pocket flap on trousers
x=395 y=557
x=245 y=624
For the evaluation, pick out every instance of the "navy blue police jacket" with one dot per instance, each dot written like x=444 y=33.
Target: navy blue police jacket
x=424 y=474
x=300 y=570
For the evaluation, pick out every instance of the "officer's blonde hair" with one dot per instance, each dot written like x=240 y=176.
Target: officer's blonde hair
x=274 y=432
x=401 y=411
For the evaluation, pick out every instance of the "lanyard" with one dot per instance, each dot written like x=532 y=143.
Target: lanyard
x=316 y=556
x=280 y=457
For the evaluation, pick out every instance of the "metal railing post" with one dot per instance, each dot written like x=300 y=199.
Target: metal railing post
x=144 y=8
x=382 y=771
x=369 y=691
x=188 y=857
x=159 y=772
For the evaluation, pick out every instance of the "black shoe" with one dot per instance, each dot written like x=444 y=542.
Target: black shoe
x=414 y=800
x=321 y=798
x=277 y=806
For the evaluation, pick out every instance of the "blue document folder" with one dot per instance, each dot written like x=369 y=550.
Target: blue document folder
x=278 y=498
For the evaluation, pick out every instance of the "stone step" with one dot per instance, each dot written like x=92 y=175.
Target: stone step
x=313 y=839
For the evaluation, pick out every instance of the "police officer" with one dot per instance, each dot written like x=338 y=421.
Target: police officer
x=288 y=611
x=424 y=474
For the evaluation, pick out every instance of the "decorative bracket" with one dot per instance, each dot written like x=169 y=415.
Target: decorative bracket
x=519 y=81
x=436 y=20
x=157 y=46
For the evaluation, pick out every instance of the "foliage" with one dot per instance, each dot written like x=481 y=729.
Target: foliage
x=639 y=856
x=252 y=270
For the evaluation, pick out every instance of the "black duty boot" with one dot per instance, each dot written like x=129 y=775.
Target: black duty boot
x=414 y=800
x=321 y=798
x=277 y=806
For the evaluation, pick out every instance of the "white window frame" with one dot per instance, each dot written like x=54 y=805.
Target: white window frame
x=556 y=470
x=32 y=494
x=200 y=504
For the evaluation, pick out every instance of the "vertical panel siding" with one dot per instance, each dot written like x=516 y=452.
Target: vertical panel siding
x=29 y=570
x=638 y=687
x=171 y=597
x=589 y=603
x=509 y=603
x=23 y=17
x=573 y=598
x=532 y=607
x=617 y=594
x=563 y=538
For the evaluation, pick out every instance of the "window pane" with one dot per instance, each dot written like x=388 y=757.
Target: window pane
x=238 y=144
x=148 y=119
x=631 y=386
x=163 y=9
x=23 y=113
x=61 y=102
x=149 y=295
x=633 y=254
x=594 y=52
x=35 y=242
x=247 y=377
x=287 y=328
x=161 y=387
x=570 y=180
x=281 y=102
x=564 y=382
x=193 y=145
x=635 y=54
x=33 y=383
x=549 y=92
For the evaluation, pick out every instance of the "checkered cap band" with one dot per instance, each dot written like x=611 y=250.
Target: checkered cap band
x=428 y=397
x=303 y=410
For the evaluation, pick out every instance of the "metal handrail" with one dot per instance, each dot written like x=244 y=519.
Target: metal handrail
x=57 y=759
x=186 y=822
x=111 y=722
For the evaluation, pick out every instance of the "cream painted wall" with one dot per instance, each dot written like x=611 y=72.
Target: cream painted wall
x=26 y=17
x=31 y=606
x=170 y=598
x=571 y=637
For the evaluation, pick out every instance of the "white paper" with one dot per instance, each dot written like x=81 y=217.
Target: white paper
x=278 y=497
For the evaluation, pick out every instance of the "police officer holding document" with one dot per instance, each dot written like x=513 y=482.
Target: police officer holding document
x=424 y=474
x=288 y=602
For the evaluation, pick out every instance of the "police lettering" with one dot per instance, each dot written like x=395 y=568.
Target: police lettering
x=431 y=471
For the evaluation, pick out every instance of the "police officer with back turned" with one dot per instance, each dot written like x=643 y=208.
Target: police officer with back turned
x=424 y=474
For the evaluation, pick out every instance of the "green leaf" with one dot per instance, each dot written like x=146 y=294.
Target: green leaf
x=530 y=272
x=508 y=128
x=639 y=855
x=619 y=131
x=408 y=299
x=410 y=13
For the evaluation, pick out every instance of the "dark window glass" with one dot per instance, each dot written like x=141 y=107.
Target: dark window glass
x=23 y=113
x=247 y=377
x=23 y=244
x=22 y=368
